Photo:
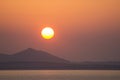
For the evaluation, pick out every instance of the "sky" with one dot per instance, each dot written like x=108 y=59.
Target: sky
x=85 y=30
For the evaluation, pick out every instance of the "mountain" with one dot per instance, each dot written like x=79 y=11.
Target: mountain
x=31 y=55
x=31 y=59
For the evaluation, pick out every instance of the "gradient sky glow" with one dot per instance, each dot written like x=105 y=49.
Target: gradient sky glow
x=85 y=30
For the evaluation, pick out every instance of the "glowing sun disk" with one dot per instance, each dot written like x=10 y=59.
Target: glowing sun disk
x=47 y=33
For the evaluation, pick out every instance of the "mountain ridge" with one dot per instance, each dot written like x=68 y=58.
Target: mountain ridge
x=29 y=55
x=31 y=59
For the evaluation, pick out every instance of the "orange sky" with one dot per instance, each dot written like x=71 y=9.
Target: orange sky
x=74 y=21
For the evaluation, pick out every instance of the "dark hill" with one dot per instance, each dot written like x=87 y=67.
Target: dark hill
x=31 y=55
x=31 y=59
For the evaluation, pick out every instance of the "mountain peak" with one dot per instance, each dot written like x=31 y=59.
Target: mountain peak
x=30 y=49
x=32 y=55
x=27 y=52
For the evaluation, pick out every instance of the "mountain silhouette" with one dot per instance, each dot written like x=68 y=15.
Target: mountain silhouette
x=31 y=55
x=31 y=59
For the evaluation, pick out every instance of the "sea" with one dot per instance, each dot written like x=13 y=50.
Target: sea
x=59 y=74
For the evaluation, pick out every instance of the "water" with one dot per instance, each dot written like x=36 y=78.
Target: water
x=60 y=75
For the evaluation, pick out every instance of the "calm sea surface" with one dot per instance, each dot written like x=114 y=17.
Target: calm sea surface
x=59 y=75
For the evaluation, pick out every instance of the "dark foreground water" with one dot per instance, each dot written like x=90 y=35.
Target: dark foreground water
x=60 y=75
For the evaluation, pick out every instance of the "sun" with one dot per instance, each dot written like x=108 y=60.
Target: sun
x=47 y=33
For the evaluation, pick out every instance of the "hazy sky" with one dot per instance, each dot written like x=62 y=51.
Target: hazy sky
x=85 y=30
